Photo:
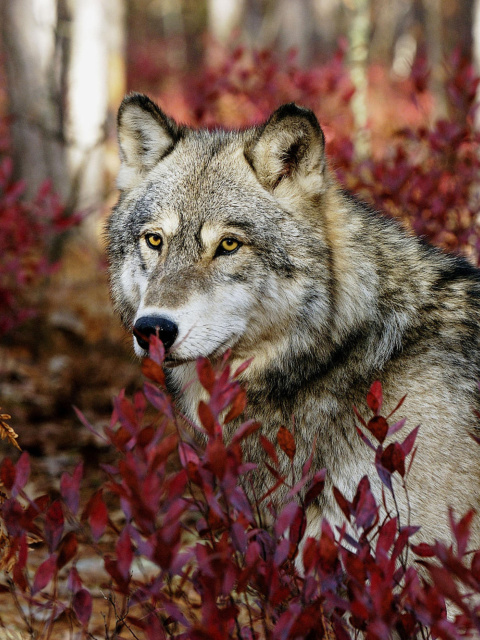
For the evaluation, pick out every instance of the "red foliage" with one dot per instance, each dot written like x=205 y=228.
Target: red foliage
x=28 y=229
x=222 y=571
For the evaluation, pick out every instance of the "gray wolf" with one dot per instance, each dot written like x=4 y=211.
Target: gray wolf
x=243 y=240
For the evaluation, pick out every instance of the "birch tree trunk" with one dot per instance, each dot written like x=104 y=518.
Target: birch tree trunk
x=223 y=17
x=476 y=50
x=359 y=38
x=58 y=56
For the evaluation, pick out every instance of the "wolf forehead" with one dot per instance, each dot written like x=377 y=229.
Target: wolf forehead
x=185 y=187
x=204 y=183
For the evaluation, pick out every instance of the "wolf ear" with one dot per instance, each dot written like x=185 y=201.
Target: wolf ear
x=145 y=136
x=288 y=152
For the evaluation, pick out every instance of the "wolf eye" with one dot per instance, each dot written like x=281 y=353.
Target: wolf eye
x=154 y=241
x=228 y=245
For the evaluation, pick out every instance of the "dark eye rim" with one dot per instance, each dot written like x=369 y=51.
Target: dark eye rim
x=225 y=252
x=155 y=247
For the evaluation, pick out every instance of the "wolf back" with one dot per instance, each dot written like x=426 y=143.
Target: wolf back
x=244 y=240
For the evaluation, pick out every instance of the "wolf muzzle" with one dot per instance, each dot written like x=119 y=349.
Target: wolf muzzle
x=146 y=326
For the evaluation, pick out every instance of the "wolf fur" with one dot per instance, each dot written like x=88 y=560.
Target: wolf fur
x=325 y=294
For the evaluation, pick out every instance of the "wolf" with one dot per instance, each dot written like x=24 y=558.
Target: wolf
x=245 y=241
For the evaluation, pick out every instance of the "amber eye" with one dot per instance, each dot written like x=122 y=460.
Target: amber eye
x=154 y=241
x=228 y=245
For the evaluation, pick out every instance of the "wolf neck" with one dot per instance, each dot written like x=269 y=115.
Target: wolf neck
x=370 y=308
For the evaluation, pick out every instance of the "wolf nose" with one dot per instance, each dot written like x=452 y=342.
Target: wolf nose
x=148 y=325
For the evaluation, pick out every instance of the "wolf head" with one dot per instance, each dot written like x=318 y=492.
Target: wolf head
x=217 y=234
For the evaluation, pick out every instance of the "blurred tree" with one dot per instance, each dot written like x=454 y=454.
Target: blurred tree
x=436 y=55
x=223 y=17
x=63 y=60
x=359 y=40
x=476 y=49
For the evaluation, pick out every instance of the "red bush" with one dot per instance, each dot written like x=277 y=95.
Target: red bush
x=28 y=230
x=217 y=569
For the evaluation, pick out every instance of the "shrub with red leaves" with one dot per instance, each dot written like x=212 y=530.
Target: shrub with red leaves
x=217 y=566
x=28 y=229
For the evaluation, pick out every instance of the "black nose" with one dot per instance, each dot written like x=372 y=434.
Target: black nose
x=146 y=326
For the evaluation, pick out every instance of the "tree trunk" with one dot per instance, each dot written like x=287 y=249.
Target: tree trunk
x=435 y=38
x=476 y=50
x=359 y=38
x=58 y=55
x=223 y=17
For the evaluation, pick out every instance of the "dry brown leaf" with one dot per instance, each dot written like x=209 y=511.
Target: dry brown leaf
x=6 y=431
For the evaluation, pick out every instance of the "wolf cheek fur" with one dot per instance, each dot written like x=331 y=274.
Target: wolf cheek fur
x=244 y=241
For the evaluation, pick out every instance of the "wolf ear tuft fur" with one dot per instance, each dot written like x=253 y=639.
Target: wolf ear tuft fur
x=288 y=152
x=145 y=136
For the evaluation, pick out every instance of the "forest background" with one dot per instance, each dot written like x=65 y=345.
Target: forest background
x=393 y=83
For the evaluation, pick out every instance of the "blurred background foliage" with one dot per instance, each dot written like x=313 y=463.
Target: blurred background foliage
x=393 y=83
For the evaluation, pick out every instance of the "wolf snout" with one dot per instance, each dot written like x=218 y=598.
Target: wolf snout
x=147 y=325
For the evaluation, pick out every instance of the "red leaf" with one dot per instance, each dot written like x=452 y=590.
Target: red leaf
x=19 y=578
x=22 y=472
x=206 y=374
x=82 y=605
x=375 y=397
x=378 y=426
x=445 y=583
x=364 y=438
x=396 y=427
x=22 y=552
x=476 y=566
x=7 y=474
x=156 y=350
x=126 y=414
x=308 y=463
x=70 y=488
x=67 y=549
x=206 y=417
x=286 y=517
x=158 y=399
x=364 y=504
x=187 y=454
x=96 y=514
x=216 y=455
x=44 y=574
x=386 y=538
x=164 y=449
x=74 y=582
x=238 y=406
x=316 y=488
x=423 y=550
x=87 y=424
x=153 y=371
x=244 y=430
x=343 y=503
x=396 y=408
x=461 y=530
x=269 y=448
x=310 y=554
x=409 y=441
x=359 y=416
x=54 y=525
x=297 y=529
x=327 y=549
x=124 y=551
x=286 y=442
x=393 y=458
